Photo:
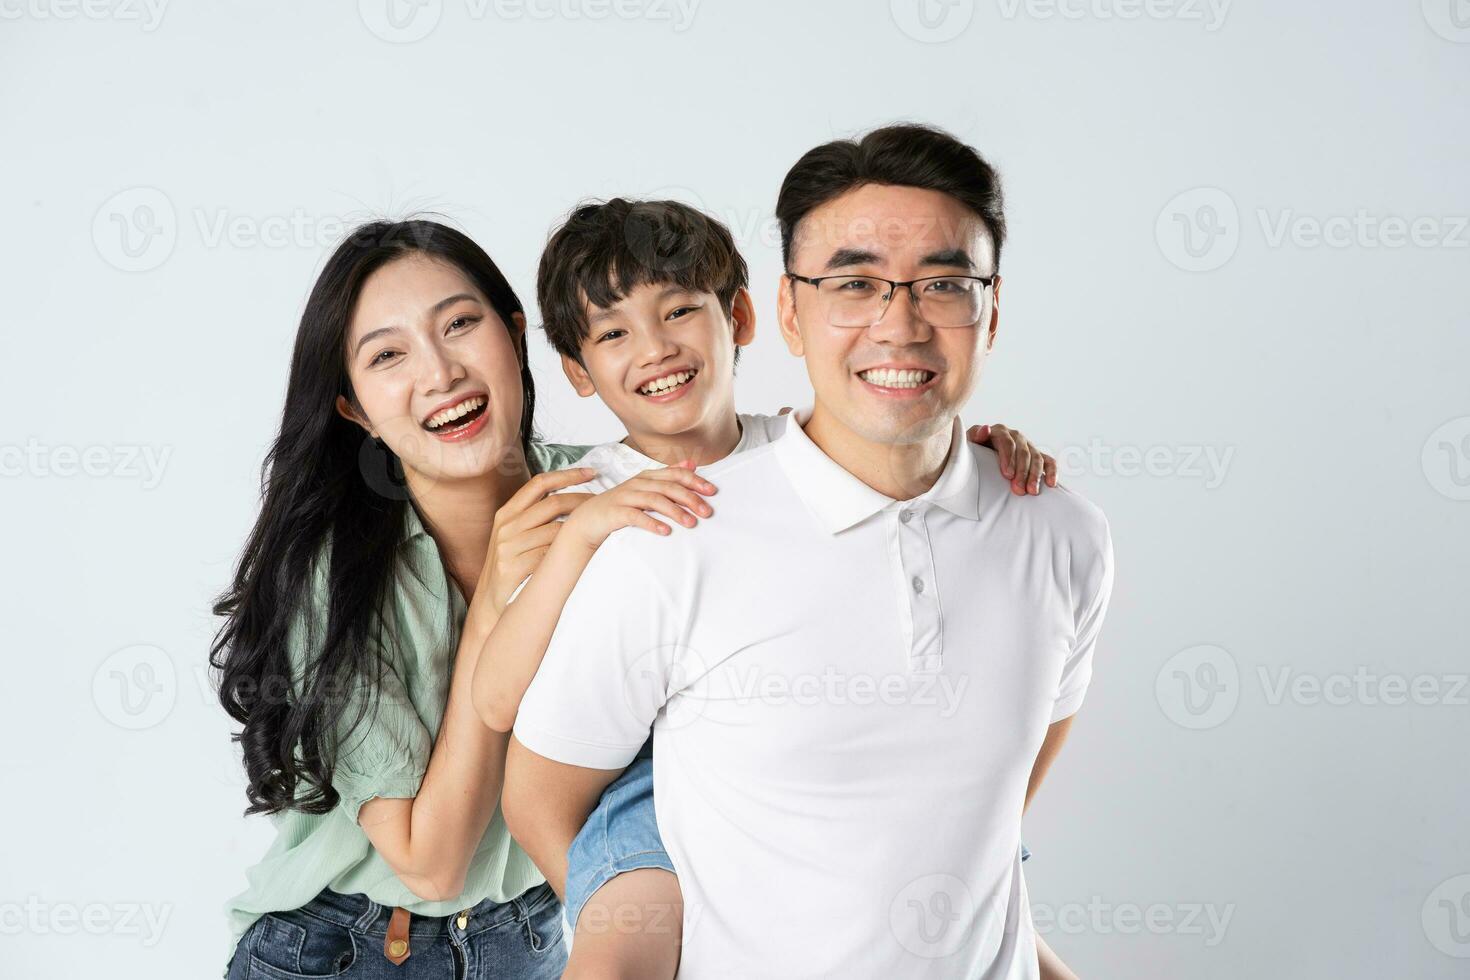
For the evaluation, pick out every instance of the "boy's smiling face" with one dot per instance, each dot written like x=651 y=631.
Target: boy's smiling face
x=663 y=359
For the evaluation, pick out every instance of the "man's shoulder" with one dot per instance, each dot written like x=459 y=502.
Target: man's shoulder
x=1060 y=510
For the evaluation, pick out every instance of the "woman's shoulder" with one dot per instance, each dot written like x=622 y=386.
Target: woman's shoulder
x=544 y=457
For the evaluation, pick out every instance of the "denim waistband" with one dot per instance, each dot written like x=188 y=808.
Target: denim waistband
x=363 y=915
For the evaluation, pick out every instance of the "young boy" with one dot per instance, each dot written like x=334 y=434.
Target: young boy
x=647 y=304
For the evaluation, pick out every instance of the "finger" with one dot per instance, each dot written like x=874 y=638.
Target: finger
x=538 y=486
x=1051 y=469
x=678 y=475
x=1033 y=483
x=784 y=410
x=633 y=517
x=529 y=540
x=678 y=493
x=1004 y=446
x=549 y=509
x=662 y=504
x=979 y=435
x=1021 y=460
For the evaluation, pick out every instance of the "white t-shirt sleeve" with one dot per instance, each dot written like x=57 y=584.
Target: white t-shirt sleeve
x=605 y=674
x=1092 y=587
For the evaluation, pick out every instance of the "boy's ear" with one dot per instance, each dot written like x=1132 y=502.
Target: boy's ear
x=346 y=409
x=786 y=316
x=578 y=376
x=742 y=315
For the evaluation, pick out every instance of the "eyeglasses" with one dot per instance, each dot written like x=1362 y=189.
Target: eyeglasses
x=861 y=301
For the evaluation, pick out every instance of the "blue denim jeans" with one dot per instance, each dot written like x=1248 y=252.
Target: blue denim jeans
x=342 y=936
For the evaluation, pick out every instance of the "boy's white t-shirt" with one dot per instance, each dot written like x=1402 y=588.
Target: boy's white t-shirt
x=616 y=462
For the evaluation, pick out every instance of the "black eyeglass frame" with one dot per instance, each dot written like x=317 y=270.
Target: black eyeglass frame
x=893 y=284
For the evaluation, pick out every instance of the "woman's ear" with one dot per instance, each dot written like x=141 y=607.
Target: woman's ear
x=517 y=326
x=349 y=412
x=578 y=376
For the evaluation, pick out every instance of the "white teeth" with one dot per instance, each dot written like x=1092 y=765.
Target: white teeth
x=455 y=411
x=891 y=378
x=658 y=385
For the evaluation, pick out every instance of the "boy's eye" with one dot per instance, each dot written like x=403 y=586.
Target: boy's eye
x=680 y=311
x=609 y=335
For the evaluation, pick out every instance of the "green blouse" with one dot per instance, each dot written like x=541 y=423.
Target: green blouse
x=388 y=754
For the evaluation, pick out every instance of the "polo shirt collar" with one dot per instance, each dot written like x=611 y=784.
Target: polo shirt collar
x=839 y=500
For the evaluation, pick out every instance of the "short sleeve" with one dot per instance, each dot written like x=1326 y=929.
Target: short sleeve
x=547 y=456
x=383 y=747
x=1092 y=587
x=606 y=672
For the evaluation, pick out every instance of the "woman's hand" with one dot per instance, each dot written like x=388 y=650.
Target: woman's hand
x=1021 y=461
x=525 y=525
x=673 y=491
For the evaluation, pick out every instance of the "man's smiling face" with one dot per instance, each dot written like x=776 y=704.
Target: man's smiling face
x=901 y=380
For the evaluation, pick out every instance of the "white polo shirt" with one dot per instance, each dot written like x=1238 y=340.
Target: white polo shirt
x=616 y=462
x=847 y=694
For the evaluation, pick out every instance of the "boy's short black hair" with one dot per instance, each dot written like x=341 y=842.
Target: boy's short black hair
x=905 y=155
x=606 y=249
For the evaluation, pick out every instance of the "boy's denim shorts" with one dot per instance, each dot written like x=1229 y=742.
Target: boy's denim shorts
x=622 y=835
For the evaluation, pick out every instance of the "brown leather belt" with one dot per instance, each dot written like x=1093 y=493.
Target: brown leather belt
x=395 y=944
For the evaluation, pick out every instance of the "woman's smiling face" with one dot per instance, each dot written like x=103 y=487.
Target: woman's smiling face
x=435 y=371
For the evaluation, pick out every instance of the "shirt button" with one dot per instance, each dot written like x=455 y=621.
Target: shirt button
x=918 y=585
x=904 y=515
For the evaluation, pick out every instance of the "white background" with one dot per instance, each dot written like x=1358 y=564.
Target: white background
x=172 y=179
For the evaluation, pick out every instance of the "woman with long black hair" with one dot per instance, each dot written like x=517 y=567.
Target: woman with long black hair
x=357 y=613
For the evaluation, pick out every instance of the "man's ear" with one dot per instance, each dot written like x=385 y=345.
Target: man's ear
x=742 y=315
x=346 y=409
x=994 y=317
x=786 y=316
x=578 y=376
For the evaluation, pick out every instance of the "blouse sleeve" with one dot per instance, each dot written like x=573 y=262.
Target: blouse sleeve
x=547 y=456
x=383 y=747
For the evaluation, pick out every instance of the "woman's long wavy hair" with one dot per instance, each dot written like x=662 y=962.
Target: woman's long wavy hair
x=328 y=490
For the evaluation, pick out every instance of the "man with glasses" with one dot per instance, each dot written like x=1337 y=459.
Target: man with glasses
x=860 y=670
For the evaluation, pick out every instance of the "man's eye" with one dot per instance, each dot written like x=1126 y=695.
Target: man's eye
x=855 y=286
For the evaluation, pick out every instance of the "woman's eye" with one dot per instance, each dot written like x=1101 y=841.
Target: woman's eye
x=462 y=321
x=382 y=357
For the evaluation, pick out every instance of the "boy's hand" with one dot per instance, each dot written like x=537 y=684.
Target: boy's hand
x=673 y=491
x=1020 y=461
x=525 y=525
